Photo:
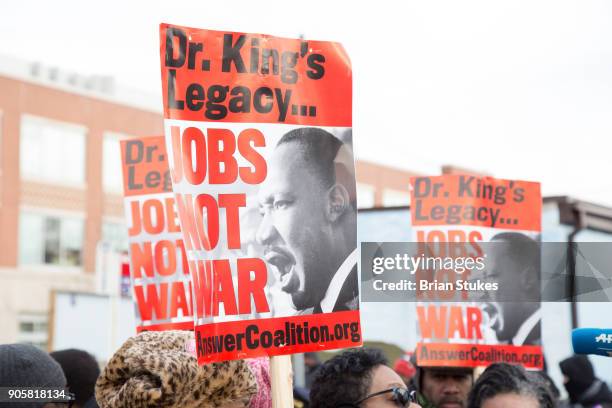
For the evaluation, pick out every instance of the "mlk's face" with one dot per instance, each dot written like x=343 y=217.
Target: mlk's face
x=513 y=302
x=497 y=270
x=500 y=270
x=295 y=230
x=516 y=274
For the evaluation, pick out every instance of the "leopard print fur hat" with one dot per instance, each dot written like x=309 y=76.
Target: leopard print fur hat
x=156 y=369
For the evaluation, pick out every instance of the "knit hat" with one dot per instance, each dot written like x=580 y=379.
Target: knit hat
x=157 y=369
x=24 y=365
x=81 y=371
x=579 y=371
x=404 y=368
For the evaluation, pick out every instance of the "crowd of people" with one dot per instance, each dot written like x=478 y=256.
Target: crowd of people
x=158 y=369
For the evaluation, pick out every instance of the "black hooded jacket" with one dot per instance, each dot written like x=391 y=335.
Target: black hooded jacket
x=582 y=385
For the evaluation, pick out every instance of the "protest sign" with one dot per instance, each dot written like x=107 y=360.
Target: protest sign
x=158 y=264
x=258 y=132
x=496 y=224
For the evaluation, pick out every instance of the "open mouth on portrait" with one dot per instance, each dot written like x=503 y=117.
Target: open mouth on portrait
x=494 y=315
x=285 y=265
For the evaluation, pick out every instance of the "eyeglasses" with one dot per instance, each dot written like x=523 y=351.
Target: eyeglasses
x=401 y=396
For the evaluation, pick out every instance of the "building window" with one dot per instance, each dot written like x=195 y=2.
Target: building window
x=115 y=233
x=50 y=240
x=52 y=151
x=365 y=195
x=112 y=176
x=33 y=329
x=395 y=198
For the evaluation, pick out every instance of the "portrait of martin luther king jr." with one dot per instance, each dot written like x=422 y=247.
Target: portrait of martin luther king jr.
x=308 y=229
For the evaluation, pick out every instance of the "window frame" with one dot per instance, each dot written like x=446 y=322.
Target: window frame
x=33 y=337
x=82 y=184
x=391 y=197
x=365 y=188
x=120 y=221
x=117 y=136
x=55 y=213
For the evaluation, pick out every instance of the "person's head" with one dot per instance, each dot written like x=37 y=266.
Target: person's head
x=160 y=369
x=445 y=387
x=311 y=360
x=503 y=385
x=513 y=261
x=578 y=376
x=23 y=365
x=351 y=378
x=308 y=206
x=81 y=371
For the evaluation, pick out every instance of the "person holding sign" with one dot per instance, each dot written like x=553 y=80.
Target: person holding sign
x=308 y=230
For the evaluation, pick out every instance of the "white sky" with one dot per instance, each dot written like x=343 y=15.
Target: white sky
x=519 y=89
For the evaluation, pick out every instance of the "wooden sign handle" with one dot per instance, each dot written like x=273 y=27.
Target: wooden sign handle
x=281 y=375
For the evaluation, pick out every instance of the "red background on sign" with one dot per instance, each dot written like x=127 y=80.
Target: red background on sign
x=528 y=212
x=332 y=94
x=519 y=351
x=273 y=324
x=158 y=163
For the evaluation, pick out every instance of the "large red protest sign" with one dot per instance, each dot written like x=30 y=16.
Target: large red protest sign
x=158 y=263
x=258 y=131
x=495 y=224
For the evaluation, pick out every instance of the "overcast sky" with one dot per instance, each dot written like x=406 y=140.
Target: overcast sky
x=518 y=89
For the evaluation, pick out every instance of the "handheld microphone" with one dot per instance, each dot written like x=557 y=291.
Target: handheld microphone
x=592 y=341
